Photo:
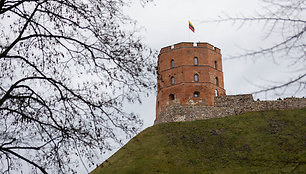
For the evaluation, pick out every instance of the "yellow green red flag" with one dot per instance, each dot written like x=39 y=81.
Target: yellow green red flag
x=191 y=27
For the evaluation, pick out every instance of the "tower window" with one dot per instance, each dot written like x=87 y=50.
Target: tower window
x=196 y=77
x=171 y=97
x=215 y=64
x=196 y=94
x=217 y=81
x=172 y=80
x=195 y=61
x=172 y=63
x=216 y=93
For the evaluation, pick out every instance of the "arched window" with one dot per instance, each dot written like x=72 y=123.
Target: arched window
x=172 y=80
x=195 y=61
x=196 y=77
x=171 y=97
x=216 y=93
x=196 y=94
x=217 y=81
x=215 y=64
x=172 y=63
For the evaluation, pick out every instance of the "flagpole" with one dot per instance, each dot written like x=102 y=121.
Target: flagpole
x=191 y=27
x=188 y=33
x=189 y=40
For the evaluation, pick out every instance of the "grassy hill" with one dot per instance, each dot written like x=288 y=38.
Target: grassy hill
x=257 y=142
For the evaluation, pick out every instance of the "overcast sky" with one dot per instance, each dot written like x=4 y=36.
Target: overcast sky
x=165 y=22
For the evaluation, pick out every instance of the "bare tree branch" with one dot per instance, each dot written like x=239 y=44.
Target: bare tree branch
x=66 y=68
x=287 y=20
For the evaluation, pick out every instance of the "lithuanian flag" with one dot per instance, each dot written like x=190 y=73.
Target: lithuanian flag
x=191 y=27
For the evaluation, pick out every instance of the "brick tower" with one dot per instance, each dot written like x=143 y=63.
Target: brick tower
x=190 y=74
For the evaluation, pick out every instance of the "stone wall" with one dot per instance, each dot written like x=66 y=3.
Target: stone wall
x=225 y=106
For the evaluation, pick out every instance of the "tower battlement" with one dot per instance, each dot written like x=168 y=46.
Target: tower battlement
x=190 y=44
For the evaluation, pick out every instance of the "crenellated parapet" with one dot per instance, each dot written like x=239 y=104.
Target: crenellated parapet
x=190 y=45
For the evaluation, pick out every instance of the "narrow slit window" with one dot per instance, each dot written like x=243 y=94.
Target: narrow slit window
x=195 y=61
x=196 y=77
x=216 y=93
x=217 y=81
x=172 y=80
x=171 y=97
x=172 y=63
x=215 y=64
x=196 y=94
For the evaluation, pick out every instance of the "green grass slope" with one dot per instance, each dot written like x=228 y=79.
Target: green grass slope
x=257 y=142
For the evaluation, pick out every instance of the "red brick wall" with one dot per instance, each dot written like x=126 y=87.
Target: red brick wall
x=183 y=72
